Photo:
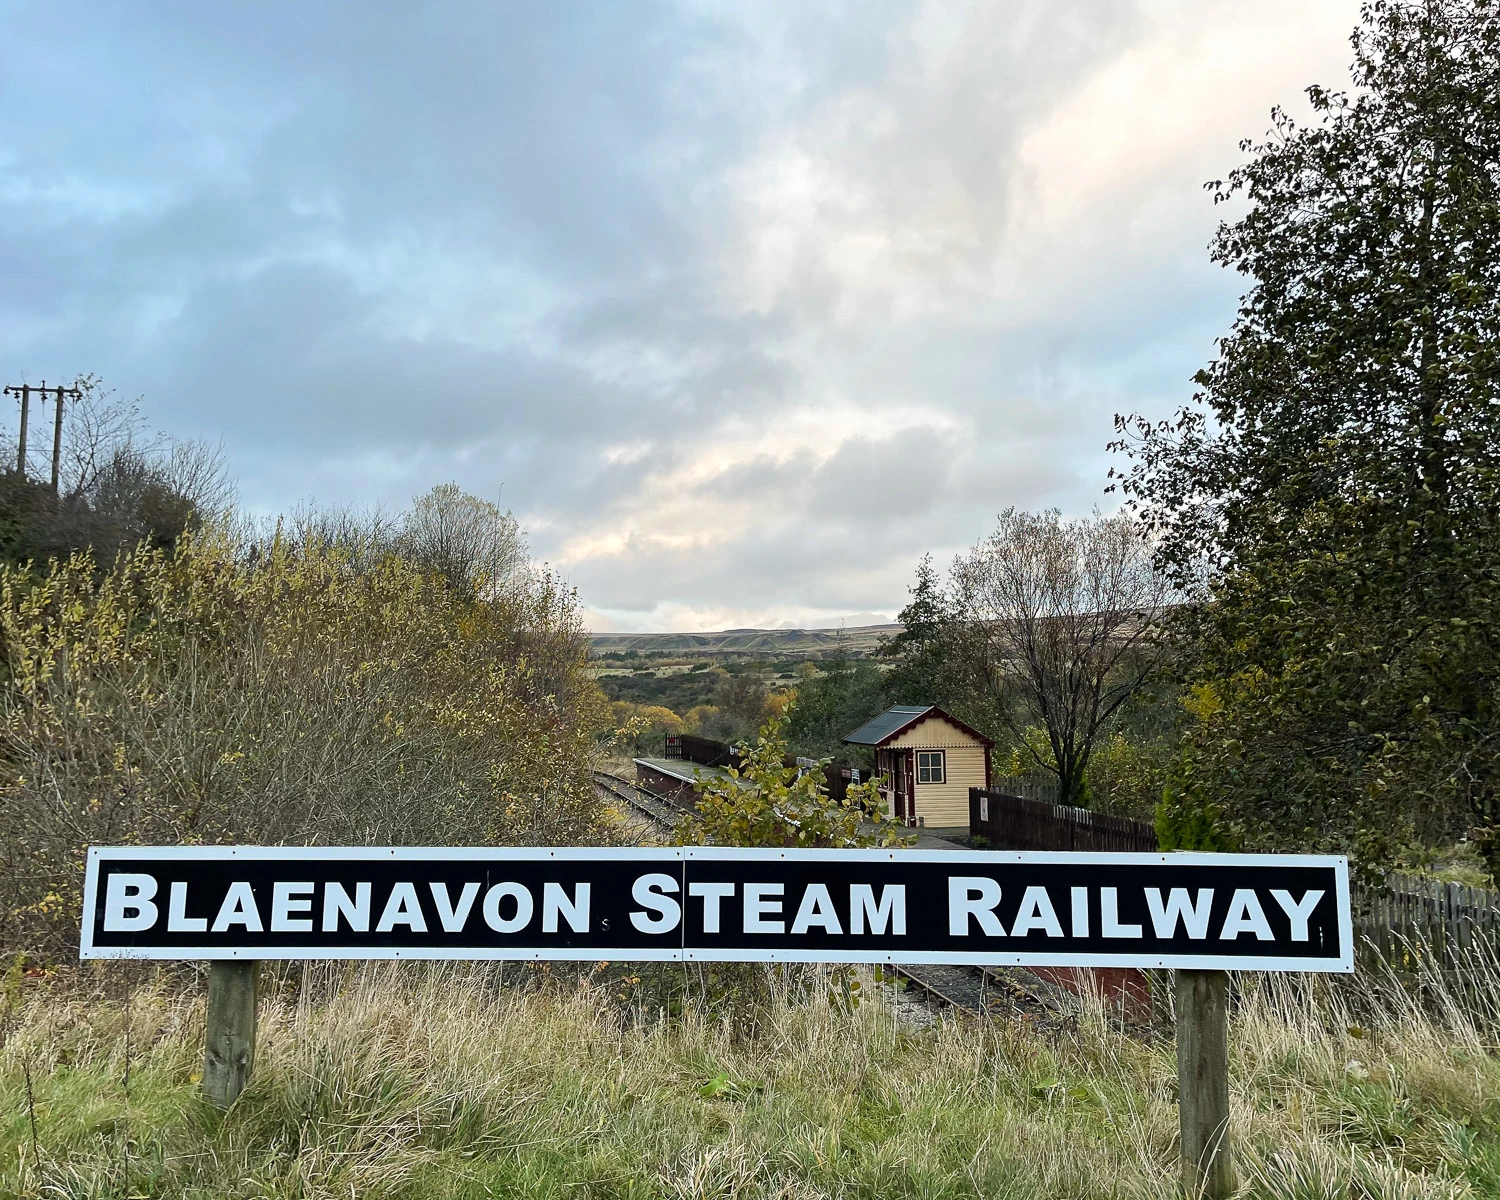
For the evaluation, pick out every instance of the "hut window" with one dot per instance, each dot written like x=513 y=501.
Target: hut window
x=929 y=766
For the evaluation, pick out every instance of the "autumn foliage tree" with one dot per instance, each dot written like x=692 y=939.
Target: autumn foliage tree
x=764 y=802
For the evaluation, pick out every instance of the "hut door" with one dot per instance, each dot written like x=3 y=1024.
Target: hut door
x=911 y=786
x=901 y=792
x=892 y=767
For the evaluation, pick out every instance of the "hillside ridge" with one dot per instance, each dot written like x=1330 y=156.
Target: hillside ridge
x=866 y=638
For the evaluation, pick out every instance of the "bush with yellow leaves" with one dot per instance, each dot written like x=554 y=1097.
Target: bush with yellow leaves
x=300 y=695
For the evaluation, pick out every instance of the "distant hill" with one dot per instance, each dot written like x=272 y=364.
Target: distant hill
x=778 y=642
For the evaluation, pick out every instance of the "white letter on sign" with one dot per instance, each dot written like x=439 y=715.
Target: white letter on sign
x=1298 y=913
x=1194 y=916
x=975 y=897
x=524 y=907
x=1080 y=912
x=648 y=892
x=238 y=909
x=283 y=905
x=1036 y=913
x=1109 y=916
x=817 y=909
x=1245 y=916
x=453 y=916
x=177 y=919
x=711 y=894
x=890 y=911
x=403 y=908
x=336 y=904
x=127 y=903
x=757 y=908
x=555 y=904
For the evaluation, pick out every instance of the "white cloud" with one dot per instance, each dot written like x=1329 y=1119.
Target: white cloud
x=741 y=307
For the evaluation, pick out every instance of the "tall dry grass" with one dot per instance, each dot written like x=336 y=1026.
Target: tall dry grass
x=455 y=1081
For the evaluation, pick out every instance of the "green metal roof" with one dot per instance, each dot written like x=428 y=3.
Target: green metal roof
x=887 y=724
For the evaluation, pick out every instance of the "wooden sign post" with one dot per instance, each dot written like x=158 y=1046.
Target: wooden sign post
x=1203 y=1083
x=229 y=1054
x=1198 y=914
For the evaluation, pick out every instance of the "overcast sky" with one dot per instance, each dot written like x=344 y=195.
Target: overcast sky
x=740 y=308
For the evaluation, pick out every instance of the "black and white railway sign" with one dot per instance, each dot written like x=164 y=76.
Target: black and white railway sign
x=1258 y=912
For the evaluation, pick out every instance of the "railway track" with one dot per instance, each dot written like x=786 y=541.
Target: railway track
x=962 y=988
x=659 y=810
x=988 y=992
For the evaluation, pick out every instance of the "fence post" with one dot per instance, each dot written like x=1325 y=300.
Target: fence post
x=229 y=1054
x=1203 y=1083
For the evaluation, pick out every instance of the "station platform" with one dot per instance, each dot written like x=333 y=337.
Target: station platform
x=681 y=769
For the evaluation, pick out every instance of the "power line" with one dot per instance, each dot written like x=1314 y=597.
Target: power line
x=58 y=394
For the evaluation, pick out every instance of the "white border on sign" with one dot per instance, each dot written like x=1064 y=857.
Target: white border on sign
x=1339 y=864
x=729 y=853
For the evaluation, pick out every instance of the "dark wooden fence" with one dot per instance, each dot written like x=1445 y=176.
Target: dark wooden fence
x=837 y=778
x=1016 y=823
x=1031 y=787
x=704 y=751
x=708 y=753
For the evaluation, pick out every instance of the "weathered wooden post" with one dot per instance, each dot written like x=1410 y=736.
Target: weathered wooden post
x=230 y=1053
x=1203 y=1083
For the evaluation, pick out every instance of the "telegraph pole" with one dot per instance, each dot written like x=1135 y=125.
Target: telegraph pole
x=24 y=392
x=60 y=394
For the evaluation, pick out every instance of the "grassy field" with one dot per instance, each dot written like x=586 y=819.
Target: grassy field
x=767 y=643
x=414 y=1082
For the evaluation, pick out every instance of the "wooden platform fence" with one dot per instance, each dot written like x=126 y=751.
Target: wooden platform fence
x=1029 y=787
x=1018 y=823
x=1428 y=927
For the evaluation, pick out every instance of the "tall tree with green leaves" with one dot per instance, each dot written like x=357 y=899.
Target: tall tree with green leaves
x=921 y=671
x=832 y=700
x=1333 y=490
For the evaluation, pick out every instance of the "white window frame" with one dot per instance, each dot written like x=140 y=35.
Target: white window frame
x=942 y=766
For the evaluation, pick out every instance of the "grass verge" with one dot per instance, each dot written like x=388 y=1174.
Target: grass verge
x=420 y=1082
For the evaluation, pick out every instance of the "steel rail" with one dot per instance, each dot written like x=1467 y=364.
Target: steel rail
x=657 y=808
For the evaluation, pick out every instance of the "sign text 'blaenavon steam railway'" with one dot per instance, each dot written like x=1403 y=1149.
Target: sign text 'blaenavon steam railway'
x=1213 y=911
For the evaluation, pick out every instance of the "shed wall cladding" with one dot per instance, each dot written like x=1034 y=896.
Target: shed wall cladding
x=945 y=803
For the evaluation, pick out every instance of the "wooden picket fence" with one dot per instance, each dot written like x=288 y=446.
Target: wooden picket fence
x=1414 y=925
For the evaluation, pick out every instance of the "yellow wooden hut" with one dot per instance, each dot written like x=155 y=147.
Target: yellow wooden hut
x=930 y=761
